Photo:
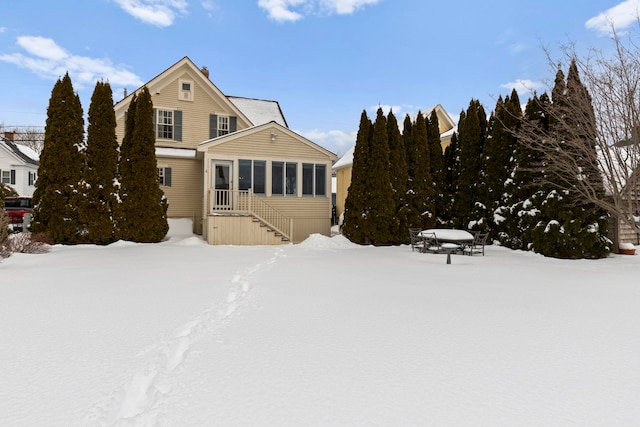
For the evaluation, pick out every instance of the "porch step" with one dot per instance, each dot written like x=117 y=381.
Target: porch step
x=270 y=230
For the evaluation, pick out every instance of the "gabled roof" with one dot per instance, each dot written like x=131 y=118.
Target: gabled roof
x=22 y=152
x=444 y=121
x=259 y=111
x=346 y=160
x=156 y=83
x=204 y=146
x=254 y=111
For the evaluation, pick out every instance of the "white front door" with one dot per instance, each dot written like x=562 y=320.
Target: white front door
x=222 y=184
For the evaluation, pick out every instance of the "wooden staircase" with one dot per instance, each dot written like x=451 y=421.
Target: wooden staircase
x=242 y=203
x=270 y=229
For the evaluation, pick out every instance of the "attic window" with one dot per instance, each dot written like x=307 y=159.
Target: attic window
x=185 y=90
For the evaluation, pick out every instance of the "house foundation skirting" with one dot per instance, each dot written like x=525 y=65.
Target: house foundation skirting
x=238 y=229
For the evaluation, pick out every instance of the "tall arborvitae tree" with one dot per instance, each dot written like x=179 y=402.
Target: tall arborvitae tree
x=421 y=198
x=413 y=214
x=499 y=161
x=451 y=178
x=143 y=210
x=357 y=204
x=471 y=137
x=399 y=179
x=571 y=227
x=524 y=186
x=56 y=196
x=99 y=207
x=436 y=165
x=382 y=213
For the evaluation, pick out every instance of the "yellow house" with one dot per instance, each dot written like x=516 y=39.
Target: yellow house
x=232 y=165
x=342 y=168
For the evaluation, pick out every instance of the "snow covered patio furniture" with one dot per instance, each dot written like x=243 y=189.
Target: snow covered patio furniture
x=449 y=241
x=417 y=241
x=477 y=246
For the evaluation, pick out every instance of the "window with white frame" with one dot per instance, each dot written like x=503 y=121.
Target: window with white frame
x=32 y=178
x=252 y=175
x=185 y=90
x=223 y=125
x=164 y=124
x=284 y=178
x=314 y=179
x=5 y=176
x=164 y=176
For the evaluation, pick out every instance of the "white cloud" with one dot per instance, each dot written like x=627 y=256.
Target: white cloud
x=346 y=7
x=523 y=87
x=619 y=17
x=373 y=110
x=45 y=58
x=278 y=10
x=294 y=10
x=161 y=13
x=210 y=6
x=336 y=141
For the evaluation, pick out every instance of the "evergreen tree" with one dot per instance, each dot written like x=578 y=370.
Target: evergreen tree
x=414 y=219
x=56 y=196
x=383 y=207
x=451 y=178
x=143 y=210
x=421 y=198
x=524 y=187
x=100 y=203
x=569 y=226
x=499 y=161
x=471 y=137
x=399 y=179
x=357 y=203
x=436 y=164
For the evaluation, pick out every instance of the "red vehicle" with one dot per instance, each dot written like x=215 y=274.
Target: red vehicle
x=16 y=208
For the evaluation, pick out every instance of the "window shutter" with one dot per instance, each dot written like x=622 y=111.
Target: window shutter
x=167 y=177
x=177 y=125
x=155 y=128
x=213 y=126
x=13 y=177
x=233 y=123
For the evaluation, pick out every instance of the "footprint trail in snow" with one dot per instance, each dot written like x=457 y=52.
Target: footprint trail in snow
x=139 y=401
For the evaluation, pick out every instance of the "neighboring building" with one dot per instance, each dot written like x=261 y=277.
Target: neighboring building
x=18 y=166
x=342 y=168
x=620 y=231
x=232 y=164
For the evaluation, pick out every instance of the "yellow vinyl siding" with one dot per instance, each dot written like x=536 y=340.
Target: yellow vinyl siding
x=258 y=145
x=195 y=114
x=185 y=193
x=309 y=214
x=343 y=177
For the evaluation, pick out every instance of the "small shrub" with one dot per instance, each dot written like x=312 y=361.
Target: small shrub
x=26 y=243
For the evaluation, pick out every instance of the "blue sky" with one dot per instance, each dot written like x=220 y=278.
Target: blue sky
x=323 y=60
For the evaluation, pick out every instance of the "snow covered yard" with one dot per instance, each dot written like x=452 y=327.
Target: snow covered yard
x=320 y=333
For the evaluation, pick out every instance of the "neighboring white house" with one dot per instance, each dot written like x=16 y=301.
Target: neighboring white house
x=18 y=166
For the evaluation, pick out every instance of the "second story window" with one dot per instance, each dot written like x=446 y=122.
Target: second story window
x=220 y=125
x=164 y=124
x=223 y=125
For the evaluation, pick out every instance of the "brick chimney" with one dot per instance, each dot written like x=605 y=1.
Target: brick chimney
x=205 y=71
x=8 y=135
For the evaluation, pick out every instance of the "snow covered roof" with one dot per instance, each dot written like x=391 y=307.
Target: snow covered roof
x=346 y=160
x=182 y=153
x=449 y=132
x=259 y=111
x=23 y=152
